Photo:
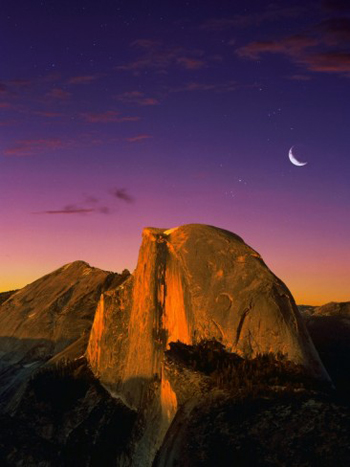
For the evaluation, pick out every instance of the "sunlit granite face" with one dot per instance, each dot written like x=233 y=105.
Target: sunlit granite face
x=191 y=283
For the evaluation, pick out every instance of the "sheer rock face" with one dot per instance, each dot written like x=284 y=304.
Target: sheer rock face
x=191 y=283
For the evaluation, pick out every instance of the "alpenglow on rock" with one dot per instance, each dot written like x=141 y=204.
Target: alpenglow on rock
x=192 y=283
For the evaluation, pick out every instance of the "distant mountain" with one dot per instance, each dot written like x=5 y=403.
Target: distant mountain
x=309 y=309
x=329 y=327
x=42 y=319
x=341 y=309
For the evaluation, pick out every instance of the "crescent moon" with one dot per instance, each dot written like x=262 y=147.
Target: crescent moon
x=293 y=160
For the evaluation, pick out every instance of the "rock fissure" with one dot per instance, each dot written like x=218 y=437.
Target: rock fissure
x=240 y=324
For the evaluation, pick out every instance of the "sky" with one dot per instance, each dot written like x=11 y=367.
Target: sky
x=118 y=115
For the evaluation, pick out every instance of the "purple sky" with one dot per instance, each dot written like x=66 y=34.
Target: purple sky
x=119 y=115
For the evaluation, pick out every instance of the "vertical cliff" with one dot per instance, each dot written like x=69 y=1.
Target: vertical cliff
x=191 y=283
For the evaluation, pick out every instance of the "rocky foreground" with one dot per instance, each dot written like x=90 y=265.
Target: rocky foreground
x=201 y=353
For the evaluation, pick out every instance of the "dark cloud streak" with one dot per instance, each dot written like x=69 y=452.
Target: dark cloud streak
x=121 y=193
x=67 y=210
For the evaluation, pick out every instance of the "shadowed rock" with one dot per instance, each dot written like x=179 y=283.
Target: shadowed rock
x=329 y=327
x=42 y=319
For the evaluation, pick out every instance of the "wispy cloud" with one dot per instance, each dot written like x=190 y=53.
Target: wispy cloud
x=5 y=91
x=291 y=46
x=20 y=83
x=159 y=57
x=136 y=97
x=58 y=94
x=69 y=209
x=7 y=122
x=83 y=79
x=47 y=114
x=147 y=44
x=31 y=147
x=191 y=63
x=299 y=77
x=329 y=62
x=90 y=205
x=137 y=138
x=122 y=194
x=106 y=117
x=5 y=105
x=229 y=86
x=323 y=48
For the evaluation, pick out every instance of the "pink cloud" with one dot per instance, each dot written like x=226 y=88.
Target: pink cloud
x=291 y=46
x=191 y=63
x=329 y=62
x=149 y=101
x=7 y=122
x=106 y=117
x=31 y=147
x=217 y=87
x=83 y=79
x=20 y=82
x=324 y=49
x=48 y=114
x=137 y=138
x=58 y=93
x=145 y=43
x=136 y=97
x=160 y=57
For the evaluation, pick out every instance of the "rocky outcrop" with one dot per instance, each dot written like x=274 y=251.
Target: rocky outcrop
x=304 y=431
x=341 y=309
x=329 y=327
x=42 y=319
x=66 y=418
x=192 y=283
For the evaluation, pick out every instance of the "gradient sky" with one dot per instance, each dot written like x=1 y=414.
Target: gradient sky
x=116 y=115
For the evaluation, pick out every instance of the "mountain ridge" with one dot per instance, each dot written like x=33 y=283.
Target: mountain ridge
x=201 y=323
